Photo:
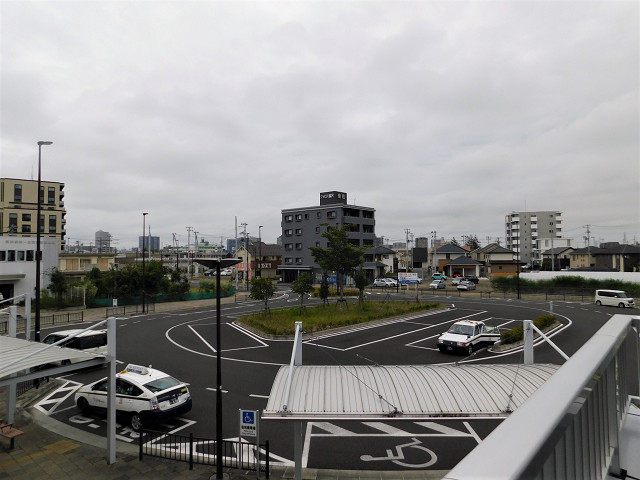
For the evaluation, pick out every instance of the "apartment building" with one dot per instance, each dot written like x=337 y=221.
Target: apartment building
x=19 y=209
x=522 y=230
x=303 y=228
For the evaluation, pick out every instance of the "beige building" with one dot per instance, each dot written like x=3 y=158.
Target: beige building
x=77 y=265
x=19 y=207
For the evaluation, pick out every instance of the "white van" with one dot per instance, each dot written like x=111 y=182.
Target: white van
x=613 y=298
x=93 y=341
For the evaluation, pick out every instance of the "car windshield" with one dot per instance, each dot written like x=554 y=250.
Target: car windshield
x=162 y=384
x=51 y=339
x=461 y=329
x=623 y=295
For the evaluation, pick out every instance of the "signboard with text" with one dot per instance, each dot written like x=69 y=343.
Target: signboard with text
x=405 y=278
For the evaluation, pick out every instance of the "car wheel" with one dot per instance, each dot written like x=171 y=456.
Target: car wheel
x=136 y=422
x=470 y=349
x=599 y=303
x=65 y=362
x=621 y=305
x=83 y=405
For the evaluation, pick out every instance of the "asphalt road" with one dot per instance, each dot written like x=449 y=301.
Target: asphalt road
x=182 y=344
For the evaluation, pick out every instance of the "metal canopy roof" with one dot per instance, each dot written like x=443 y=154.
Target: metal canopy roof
x=18 y=355
x=403 y=392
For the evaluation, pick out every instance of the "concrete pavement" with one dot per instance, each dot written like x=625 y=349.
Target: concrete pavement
x=51 y=450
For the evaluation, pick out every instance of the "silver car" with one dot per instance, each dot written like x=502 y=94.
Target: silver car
x=466 y=285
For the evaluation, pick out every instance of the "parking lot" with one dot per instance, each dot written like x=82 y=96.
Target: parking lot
x=181 y=343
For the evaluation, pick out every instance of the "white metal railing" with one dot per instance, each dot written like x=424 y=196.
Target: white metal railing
x=570 y=427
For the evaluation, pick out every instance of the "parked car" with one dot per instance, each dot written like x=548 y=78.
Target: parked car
x=438 y=284
x=456 y=280
x=472 y=278
x=91 y=341
x=466 y=285
x=456 y=275
x=438 y=276
x=143 y=394
x=384 y=282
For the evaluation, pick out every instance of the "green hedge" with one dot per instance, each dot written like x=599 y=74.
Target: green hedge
x=516 y=334
x=564 y=284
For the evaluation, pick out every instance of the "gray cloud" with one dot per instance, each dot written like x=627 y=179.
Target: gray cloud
x=442 y=115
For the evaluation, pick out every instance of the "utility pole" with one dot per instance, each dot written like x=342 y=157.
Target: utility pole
x=196 y=247
x=433 y=252
x=246 y=256
x=189 y=263
x=407 y=232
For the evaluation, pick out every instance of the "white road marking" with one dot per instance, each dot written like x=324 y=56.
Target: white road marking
x=203 y=340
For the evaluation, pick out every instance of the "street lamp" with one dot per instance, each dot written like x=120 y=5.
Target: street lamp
x=259 y=266
x=144 y=216
x=38 y=251
x=218 y=264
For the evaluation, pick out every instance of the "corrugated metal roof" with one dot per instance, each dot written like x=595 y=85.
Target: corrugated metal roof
x=17 y=355
x=403 y=392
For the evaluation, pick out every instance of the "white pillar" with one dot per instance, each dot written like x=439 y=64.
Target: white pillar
x=528 y=341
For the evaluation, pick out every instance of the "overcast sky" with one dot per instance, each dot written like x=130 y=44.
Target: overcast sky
x=442 y=116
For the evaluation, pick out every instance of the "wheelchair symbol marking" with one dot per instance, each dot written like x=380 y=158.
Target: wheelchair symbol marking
x=432 y=458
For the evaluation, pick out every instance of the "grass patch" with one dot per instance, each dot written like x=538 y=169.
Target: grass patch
x=323 y=317
x=517 y=334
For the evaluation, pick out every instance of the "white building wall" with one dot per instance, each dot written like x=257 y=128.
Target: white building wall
x=20 y=275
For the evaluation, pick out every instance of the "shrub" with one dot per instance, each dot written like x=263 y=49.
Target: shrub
x=516 y=334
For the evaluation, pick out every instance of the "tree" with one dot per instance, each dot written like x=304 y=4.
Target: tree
x=472 y=242
x=302 y=286
x=58 y=285
x=340 y=256
x=262 y=289
x=361 y=280
x=324 y=289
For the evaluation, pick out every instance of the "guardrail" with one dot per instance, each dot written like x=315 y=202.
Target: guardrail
x=570 y=427
x=202 y=451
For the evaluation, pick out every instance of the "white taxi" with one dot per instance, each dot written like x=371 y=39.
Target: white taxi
x=143 y=394
x=466 y=336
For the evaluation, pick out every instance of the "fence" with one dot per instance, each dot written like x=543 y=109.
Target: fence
x=45 y=321
x=125 y=309
x=202 y=451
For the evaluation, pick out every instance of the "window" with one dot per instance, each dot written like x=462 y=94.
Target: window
x=298 y=260
x=30 y=255
x=317 y=229
x=41 y=196
x=20 y=255
x=299 y=217
x=13 y=223
x=17 y=192
x=288 y=218
x=52 y=223
x=298 y=231
x=319 y=214
x=3 y=256
x=298 y=246
x=51 y=195
x=26 y=217
x=288 y=260
x=317 y=244
x=11 y=255
x=288 y=232
x=331 y=214
x=288 y=246
x=26 y=228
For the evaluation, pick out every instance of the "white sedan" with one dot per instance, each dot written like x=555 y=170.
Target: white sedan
x=143 y=394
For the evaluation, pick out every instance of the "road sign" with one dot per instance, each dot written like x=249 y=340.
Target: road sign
x=248 y=423
x=410 y=277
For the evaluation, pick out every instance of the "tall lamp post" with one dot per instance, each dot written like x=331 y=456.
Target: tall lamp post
x=259 y=265
x=144 y=216
x=38 y=251
x=218 y=264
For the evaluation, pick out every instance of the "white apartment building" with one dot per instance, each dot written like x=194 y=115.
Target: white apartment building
x=523 y=229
